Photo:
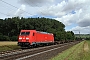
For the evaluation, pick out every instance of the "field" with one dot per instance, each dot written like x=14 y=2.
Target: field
x=82 y=35
x=8 y=45
x=80 y=51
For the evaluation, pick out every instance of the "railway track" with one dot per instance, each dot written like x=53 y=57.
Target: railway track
x=28 y=53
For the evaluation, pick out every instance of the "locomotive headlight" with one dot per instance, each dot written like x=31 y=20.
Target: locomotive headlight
x=20 y=38
x=27 y=38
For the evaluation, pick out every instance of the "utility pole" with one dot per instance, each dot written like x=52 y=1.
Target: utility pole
x=79 y=35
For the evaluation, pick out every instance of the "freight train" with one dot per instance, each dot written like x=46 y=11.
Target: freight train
x=28 y=38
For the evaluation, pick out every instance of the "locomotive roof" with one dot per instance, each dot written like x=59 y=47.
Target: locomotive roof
x=37 y=31
x=44 y=32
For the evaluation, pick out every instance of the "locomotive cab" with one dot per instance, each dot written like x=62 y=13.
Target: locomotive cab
x=25 y=38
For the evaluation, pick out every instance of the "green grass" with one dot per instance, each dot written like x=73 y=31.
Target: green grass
x=85 y=55
x=76 y=52
x=8 y=45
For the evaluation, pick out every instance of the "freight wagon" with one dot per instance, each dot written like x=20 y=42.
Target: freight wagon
x=28 y=38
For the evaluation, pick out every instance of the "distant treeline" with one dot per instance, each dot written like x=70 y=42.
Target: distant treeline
x=83 y=36
x=10 y=28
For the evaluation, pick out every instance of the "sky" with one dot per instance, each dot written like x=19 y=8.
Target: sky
x=74 y=14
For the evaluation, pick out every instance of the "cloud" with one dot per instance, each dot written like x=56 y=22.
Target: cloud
x=82 y=30
x=53 y=10
x=20 y=11
x=84 y=21
x=68 y=12
x=64 y=7
x=36 y=2
x=74 y=5
x=63 y=13
x=67 y=19
x=84 y=18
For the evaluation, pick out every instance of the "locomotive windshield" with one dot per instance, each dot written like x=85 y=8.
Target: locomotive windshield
x=24 y=33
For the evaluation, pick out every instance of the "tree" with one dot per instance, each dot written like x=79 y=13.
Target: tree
x=10 y=27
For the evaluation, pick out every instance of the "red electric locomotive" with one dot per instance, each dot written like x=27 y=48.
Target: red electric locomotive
x=29 y=38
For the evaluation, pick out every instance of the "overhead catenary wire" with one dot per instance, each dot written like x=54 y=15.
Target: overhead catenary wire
x=32 y=5
x=14 y=6
x=17 y=7
x=3 y=13
x=5 y=7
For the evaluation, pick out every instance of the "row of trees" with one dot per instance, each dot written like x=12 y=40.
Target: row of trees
x=10 y=27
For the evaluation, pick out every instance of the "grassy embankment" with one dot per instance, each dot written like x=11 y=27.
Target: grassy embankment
x=80 y=51
x=8 y=45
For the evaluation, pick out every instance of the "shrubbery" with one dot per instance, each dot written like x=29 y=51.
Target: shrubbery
x=14 y=38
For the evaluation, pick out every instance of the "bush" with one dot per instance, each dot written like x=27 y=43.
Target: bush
x=1 y=37
x=6 y=38
x=14 y=38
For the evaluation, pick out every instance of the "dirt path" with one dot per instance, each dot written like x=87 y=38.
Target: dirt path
x=85 y=47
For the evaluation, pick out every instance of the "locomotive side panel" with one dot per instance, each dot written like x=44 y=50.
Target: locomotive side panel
x=44 y=38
